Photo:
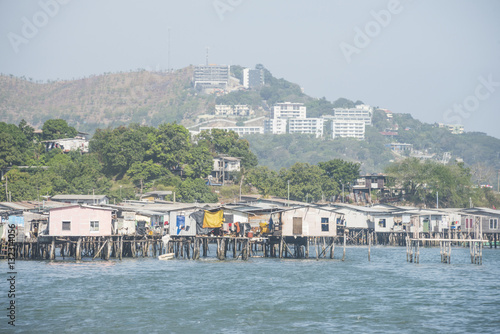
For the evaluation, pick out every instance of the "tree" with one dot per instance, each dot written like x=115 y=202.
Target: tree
x=341 y=171
x=200 y=162
x=195 y=190
x=263 y=178
x=14 y=147
x=424 y=182
x=307 y=183
x=228 y=142
x=170 y=145
x=118 y=149
x=57 y=129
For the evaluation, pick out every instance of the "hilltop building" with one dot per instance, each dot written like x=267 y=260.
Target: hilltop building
x=455 y=129
x=361 y=112
x=211 y=77
x=252 y=78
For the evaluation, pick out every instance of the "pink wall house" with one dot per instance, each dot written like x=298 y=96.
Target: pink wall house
x=85 y=221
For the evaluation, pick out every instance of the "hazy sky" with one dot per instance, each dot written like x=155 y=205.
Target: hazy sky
x=438 y=60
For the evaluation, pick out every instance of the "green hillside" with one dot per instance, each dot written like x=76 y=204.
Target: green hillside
x=154 y=98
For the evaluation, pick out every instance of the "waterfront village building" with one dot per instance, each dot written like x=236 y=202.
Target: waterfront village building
x=224 y=167
x=211 y=77
x=309 y=221
x=252 y=78
x=82 y=199
x=68 y=144
x=77 y=221
x=348 y=129
x=240 y=130
x=233 y=110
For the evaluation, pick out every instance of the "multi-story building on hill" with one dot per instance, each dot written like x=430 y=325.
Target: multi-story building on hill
x=455 y=129
x=252 y=78
x=348 y=128
x=276 y=126
x=306 y=126
x=289 y=110
x=233 y=110
x=361 y=112
x=211 y=77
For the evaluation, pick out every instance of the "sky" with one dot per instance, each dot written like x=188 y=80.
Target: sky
x=437 y=60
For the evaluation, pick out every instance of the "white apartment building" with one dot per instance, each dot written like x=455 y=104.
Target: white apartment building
x=276 y=126
x=236 y=110
x=348 y=128
x=288 y=110
x=306 y=125
x=240 y=130
x=361 y=112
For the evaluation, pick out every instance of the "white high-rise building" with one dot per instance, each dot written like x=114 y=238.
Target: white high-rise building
x=211 y=76
x=289 y=110
x=350 y=129
x=361 y=112
x=306 y=125
x=252 y=78
x=276 y=126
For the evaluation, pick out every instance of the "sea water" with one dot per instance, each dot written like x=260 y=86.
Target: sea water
x=261 y=295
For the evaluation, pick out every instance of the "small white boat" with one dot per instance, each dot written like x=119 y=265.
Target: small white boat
x=166 y=256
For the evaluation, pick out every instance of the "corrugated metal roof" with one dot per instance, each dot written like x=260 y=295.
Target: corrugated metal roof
x=77 y=197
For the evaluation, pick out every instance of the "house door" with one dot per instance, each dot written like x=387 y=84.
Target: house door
x=297 y=225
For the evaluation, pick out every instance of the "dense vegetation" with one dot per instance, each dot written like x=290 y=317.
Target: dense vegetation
x=125 y=161
x=140 y=142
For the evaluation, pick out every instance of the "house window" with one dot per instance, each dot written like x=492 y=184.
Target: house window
x=493 y=224
x=66 y=226
x=325 y=225
x=381 y=222
x=94 y=226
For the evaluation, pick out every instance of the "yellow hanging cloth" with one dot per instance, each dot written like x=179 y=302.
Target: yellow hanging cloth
x=213 y=219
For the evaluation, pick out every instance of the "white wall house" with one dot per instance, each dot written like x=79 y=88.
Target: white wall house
x=309 y=221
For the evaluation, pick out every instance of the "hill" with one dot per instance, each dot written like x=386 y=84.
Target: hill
x=148 y=98
x=153 y=98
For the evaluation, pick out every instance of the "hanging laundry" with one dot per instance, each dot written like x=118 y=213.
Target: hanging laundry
x=181 y=223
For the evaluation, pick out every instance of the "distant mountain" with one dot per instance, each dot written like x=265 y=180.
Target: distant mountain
x=143 y=97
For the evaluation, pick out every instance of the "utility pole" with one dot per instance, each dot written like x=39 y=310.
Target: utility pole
x=498 y=182
x=437 y=199
x=288 y=201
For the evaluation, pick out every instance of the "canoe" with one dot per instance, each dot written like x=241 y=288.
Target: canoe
x=167 y=256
